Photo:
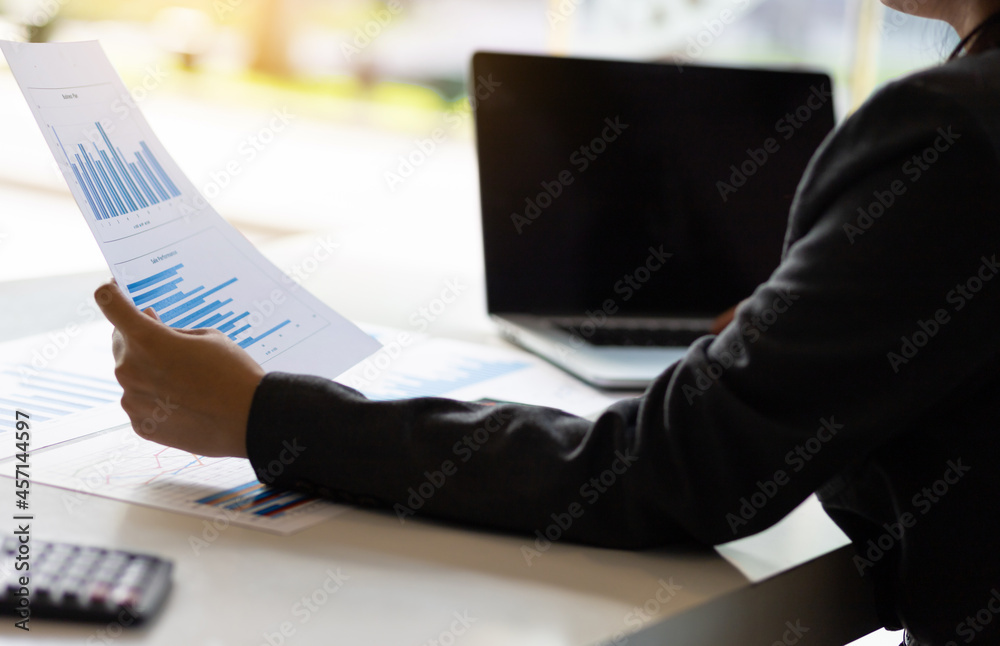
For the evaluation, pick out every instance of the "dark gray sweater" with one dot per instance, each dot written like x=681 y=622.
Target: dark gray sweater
x=865 y=368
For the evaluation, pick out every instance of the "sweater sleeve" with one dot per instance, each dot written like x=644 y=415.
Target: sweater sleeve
x=876 y=316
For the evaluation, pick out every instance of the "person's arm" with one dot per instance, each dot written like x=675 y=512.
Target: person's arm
x=749 y=423
x=726 y=441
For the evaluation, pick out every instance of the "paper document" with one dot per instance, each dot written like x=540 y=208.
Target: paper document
x=85 y=444
x=805 y=534
x=411 y=365
x=117 y=463
x=166 y=246
x=58 y=378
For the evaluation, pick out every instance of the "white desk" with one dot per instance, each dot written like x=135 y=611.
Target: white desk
x=414 y=584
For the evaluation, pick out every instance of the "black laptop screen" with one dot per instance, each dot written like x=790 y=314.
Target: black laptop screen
x=664 y=190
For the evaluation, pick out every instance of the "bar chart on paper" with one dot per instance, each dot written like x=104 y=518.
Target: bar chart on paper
x=436 y=367
x=256 y=498
x=452 y=373
x=431 y=368
x=118 y=464
x=236 y=299
x=112 y=183
x=50 y=394
x=124 y=186
x=167 y=248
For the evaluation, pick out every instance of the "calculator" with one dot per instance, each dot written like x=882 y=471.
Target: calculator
x=81 y=583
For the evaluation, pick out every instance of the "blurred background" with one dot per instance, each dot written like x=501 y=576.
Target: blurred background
x=360 y=82
x=354 y=86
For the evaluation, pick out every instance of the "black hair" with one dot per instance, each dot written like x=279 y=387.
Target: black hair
x=984 y=37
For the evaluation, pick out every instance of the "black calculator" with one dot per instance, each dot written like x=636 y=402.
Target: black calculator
x=81 y=583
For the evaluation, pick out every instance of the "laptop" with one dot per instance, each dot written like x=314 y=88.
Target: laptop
x=625 y=205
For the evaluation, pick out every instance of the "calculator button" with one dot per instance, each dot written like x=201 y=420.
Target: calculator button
x=85 y=583
x=98 y=593
x=126 y=597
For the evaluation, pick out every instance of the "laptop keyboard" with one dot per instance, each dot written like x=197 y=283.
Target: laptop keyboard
x=637 y=336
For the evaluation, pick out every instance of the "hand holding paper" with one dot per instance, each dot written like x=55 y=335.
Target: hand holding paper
x=189 y=389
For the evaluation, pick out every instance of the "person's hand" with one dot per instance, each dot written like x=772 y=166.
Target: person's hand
x=190 y=389
x=724 y=319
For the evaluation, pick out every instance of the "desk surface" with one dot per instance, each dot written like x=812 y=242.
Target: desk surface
x=364 y=578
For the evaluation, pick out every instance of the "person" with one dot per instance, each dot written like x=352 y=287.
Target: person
x=866 y=369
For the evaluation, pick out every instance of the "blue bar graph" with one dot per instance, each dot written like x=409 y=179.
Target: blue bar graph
x=213 y=321
x=231 y=324
x=256 y=498
x=159 y=291
x=195 y=309
x=115 y=185
x=51 y=394
x=155 y=278
x=176 y=297
x=458 y=373
x=239 y=332
x=251 y=340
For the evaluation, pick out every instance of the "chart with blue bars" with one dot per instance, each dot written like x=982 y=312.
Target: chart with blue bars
x=257 y=499
x=196 y=307
x=114 y=182
x=455 y=373
x=51 y=394
x=236 y=298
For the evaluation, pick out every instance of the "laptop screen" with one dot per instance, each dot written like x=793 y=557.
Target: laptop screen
x=661 y=189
